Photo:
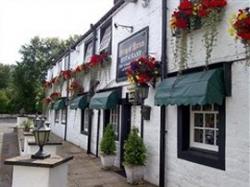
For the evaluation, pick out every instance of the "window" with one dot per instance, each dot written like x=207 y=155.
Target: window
x=57 y=114
x=201 y=134
x=114 y=120
x=63 y=116
x=85 y=121
x=88 y=51
x=105 y=44
x=204 y=130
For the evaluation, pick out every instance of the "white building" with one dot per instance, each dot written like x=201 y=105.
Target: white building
x=185 y=146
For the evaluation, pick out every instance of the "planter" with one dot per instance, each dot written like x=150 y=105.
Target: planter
x=135 y=174
x=107 y=161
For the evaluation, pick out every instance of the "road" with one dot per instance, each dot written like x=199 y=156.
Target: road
x=8 y=148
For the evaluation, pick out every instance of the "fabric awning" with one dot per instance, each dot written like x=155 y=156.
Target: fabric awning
x=79 y=102
x=104 y=100
x=59 y=104
x=200 y=88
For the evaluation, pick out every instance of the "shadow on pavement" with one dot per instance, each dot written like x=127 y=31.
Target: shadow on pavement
x=9 y=148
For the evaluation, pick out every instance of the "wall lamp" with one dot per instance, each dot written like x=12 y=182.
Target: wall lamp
x=128 y=28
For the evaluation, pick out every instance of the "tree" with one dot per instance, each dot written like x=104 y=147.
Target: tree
x=31 y=70
x=5 y=75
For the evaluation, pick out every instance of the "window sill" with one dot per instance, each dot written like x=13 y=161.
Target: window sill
x=63 y=123
x=203 y=157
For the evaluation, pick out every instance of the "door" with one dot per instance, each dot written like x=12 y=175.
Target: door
x=125 y=128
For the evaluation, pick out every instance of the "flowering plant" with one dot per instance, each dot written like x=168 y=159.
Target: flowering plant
x=47 y=100
x=143 y=71
x=191 y=15
x=100 y=59
x=47 y=84
x=66 y=74
x=55 y=95
x=240 y=28
x=75 y=87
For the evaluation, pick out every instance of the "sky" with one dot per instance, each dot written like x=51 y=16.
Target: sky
x=20 y=20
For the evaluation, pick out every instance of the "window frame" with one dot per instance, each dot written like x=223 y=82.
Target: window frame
x=111 y=114
x=63 y=120
x=86 y=45
x=83 y=118
x=102 y=34
x=57 y=116
x=203 y=145
x=200 y=156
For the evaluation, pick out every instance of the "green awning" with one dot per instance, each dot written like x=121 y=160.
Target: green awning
x=59 y=104
x=79 y=102
x=200 y=88
x=104 y=100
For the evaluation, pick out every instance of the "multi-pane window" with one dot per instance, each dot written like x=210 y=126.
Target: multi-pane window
x=105 y=45
x=85 y=121
x=204 y=124
x=63 y=116
x=57 y=114
x=88 y=51
x=114 y=120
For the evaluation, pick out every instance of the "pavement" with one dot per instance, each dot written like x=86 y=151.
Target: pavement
x=84 y=170
x=8 y=149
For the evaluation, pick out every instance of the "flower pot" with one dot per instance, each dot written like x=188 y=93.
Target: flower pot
x=135 y=174
x=107 y=161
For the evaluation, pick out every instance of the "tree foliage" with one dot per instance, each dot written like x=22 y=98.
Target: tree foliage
x=108 y=141
x=26 y=84
x=135 y=150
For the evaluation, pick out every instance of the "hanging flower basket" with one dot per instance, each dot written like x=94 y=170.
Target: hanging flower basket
x=143 y=71
x=240 y=29
x=54 y=96
x=66 y=74
x=75 y=87
x=99 y=60
x=192 y=15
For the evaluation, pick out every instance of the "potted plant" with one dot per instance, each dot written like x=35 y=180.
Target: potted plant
x=108 y=147
x=134 y=157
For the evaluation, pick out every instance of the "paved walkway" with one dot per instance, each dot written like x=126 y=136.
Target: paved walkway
x=8 y=148
x=85 y=170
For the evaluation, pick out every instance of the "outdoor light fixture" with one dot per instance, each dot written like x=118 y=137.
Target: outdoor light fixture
x=142 y=91
x=129 y=28
x=41 y=134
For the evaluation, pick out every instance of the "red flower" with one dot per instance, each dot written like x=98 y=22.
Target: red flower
x=55 y=95
x=244 y=36
x=214 y=3
x=186 y=7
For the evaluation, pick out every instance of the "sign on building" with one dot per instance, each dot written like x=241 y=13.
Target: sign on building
x=131 y=49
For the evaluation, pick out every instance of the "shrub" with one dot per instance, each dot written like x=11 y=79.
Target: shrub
x=27 y=125
x=108 y=146
x=135 y=150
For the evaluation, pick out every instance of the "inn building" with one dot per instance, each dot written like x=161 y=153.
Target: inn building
x=196 y=125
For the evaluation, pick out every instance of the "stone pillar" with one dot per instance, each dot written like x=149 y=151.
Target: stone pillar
x=50 y=172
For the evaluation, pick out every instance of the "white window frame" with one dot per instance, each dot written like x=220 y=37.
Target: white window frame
x=203 y=145
x=105 y=42
x=63 y=115
x=85 y=122
x=114 y=120
x=88 y=51
x=57 y=116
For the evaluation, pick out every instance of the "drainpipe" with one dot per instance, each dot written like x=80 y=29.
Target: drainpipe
x=99 y=111
x=67 y=97
x=164 y=70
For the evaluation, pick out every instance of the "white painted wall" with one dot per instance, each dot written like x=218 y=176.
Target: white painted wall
x=24 y=176
x=226 y=48
x=184 y=173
